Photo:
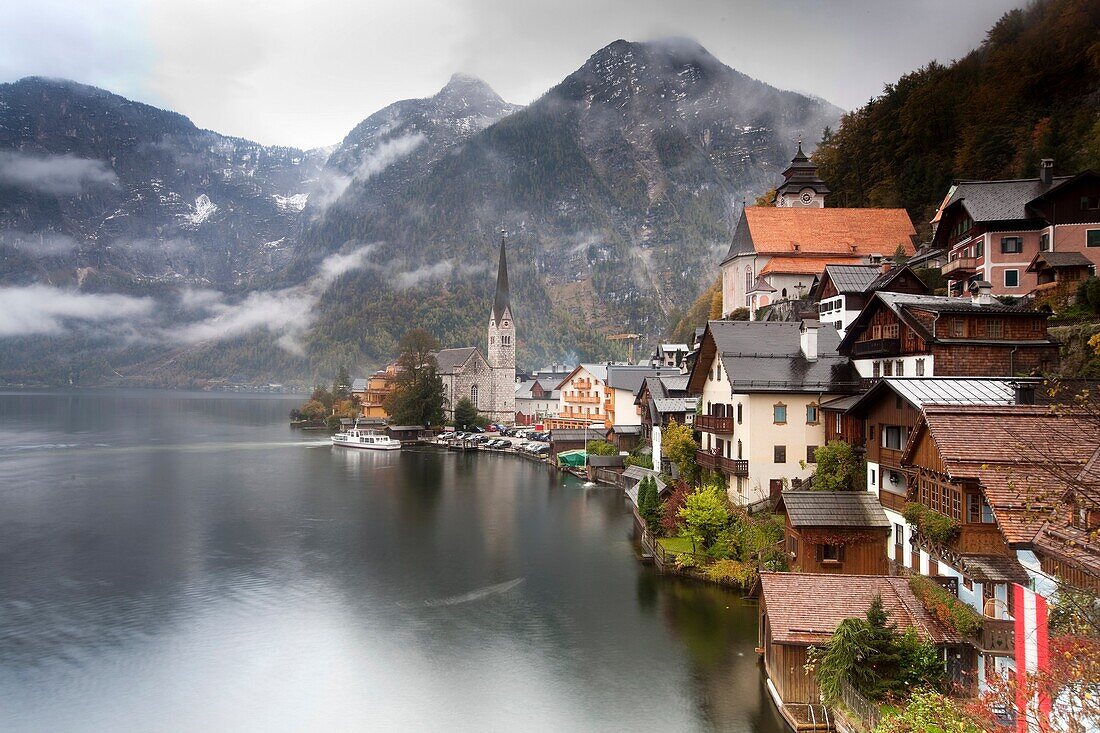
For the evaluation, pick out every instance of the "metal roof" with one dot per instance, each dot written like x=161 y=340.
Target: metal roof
x=630 y=377
x=921 y=391
x=834 y=509
x=359 y=384
x=450 y=359
x=675 y=404
x=852 y=278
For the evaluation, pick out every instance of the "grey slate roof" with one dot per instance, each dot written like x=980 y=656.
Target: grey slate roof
x=573 y=435
x=675 y=383
x=999 y=200
x=633 y=475
x=605 y=461
x=991 y=568
x=359 y=384
x=626 y=429
x=833 y=509
x=766 y=356
x=841 y=403
x=853 y=278
x=450 y=359
x=1060 y=259
x=630 y=377
x=666 y=405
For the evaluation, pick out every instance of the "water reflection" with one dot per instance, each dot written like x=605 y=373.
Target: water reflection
x=196 y=565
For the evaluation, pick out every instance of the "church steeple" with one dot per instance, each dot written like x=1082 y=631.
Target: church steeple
x=801 y=185
x=501 y=299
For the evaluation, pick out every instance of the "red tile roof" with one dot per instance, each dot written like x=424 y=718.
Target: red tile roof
x=806 y=265
x=805 y=608
x=776 y=230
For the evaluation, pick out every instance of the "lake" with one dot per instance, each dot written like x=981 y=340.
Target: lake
x=187 y=562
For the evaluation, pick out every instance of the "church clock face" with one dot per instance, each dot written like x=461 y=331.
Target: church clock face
x=806 y=196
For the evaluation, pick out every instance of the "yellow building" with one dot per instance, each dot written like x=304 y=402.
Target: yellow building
x=373 y=391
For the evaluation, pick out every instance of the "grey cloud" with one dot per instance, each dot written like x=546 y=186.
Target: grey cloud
x=58 y=175
x=45 y=310
x=40 y=244
x=331 y=184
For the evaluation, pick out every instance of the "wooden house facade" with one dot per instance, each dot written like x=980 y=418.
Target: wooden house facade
x=834 y=532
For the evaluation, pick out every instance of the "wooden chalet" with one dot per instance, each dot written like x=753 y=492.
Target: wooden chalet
x=799 y=610
x=904 y=335
x=1016 y=496
x=842 y=291
x=840 y=424
x=662 y=399
x=834 y=532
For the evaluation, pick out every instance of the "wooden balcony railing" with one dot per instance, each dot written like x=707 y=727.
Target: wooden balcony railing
x=998 y=636
x=728 y=466
x=959 y=268
x=714 y=424
x=876 y=347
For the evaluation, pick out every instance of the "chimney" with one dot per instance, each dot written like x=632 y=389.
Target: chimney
x=1024 y=392
x=981 y=292
x=808 y=338
x=1046 y=172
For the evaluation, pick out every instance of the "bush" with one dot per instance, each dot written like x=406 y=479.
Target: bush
x=950 y=611
x=1088 y=294
x=928 y=711
x=601 y=448
x=704 y=514
x=939 y=528
x=839 y=468
x=732 y=572
x=671 y=521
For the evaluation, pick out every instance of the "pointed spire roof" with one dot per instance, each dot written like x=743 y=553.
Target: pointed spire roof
x=501 y=301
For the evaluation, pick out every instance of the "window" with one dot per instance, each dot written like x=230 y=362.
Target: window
x=996 y=329
x=1090 y=202
x=473 y=394
x=899 y=535
x=887 y=368
x=979 y=249
x=811 y=415
x=780 y=454
x=874 y=478
x=957 y=327
x=899 y=368
x=832 y=553
x=748 y=279
x=492 y=340
x=1044 y=242
x=1012 y=278
x=968 y=583
x=739 y=453
x=506 y=340
x=839 y=423
x=920 y=367
x=1012 y=245
x=779 y=414
x=875 y=370
x=870 y=432
x=1092 y=238
x=978 y=510
x=739 y=413
x=893 y=437
x=810 y=454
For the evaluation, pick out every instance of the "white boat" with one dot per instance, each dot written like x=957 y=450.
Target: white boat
x=372 y=439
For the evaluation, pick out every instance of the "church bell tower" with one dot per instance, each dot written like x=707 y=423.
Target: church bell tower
x=801 y=185
x=502 y=345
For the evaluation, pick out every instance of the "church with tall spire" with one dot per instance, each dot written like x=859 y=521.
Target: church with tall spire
x=488 y=380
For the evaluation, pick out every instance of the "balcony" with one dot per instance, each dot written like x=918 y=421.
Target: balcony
x=728 y=466
x=876 y=347
x=714 y=424
x=998 y=636
x=960 y=269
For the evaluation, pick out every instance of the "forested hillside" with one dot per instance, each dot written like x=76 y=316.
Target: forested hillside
x=1031 y=90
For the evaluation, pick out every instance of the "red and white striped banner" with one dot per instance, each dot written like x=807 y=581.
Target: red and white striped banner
x=1032 y=659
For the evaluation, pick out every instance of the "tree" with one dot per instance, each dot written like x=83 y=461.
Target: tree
x=678 y=444
x=601 y=448
x=341 y=385
x=648 y=504
x=671 y=521
x=928 y=711
x=839 y=468
x=705 y=515
x=418 y=397
x=465 y=413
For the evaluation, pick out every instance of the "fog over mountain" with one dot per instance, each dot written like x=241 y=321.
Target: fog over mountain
x=618 y=188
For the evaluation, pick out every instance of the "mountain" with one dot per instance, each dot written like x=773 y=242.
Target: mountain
x=618 y=188
x=93 y=183
x=1031 y=90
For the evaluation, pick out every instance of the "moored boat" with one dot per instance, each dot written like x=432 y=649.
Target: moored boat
x=360 y=438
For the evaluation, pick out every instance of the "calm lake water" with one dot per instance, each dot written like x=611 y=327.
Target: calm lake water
x=187 y=562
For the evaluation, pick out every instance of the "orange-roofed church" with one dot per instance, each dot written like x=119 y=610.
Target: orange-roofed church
x=778 y=250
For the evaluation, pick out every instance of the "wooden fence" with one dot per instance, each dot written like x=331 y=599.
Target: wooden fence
x=859 y=709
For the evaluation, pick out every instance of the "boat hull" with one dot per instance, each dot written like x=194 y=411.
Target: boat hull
x=367 y=446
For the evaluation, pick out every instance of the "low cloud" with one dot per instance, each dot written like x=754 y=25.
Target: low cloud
x=34 y=310
x=331 y=184
x=42 y=244
x=435 y=272
x=57 y=175
x=286 y=313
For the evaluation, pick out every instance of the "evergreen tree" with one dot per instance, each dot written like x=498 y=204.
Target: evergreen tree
x=465 y=413
x=648 y=503
x=418 y=396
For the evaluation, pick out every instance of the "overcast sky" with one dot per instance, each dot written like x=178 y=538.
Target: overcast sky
x=304 y=73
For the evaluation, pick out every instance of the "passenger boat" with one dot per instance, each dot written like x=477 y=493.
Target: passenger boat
x=361 y=438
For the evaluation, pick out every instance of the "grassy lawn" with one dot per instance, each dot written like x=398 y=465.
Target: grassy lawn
x=675 y=545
